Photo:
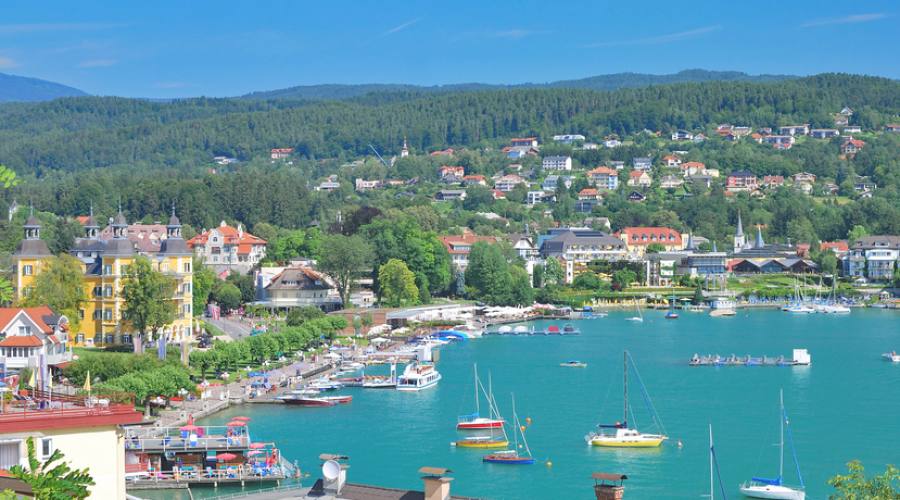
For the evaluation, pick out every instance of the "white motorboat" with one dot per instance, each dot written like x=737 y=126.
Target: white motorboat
x=418 y=376
x=800 y=308
x=891 y=356
x=759 y=487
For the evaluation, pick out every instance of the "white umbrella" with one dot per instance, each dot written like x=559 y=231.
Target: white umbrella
x=379 y=340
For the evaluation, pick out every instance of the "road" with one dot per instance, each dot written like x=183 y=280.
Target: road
x=232 y=327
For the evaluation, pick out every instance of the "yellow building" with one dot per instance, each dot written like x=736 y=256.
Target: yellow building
x=106 y=264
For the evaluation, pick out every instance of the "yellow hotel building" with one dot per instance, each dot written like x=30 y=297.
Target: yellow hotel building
x=105 y=264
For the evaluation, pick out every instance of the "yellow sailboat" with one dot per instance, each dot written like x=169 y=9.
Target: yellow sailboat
x=619 y=435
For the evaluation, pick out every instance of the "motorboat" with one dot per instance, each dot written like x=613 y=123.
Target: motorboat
x=574 y=363
x=552 y=330
x=338 y=399
x=671 y=315
x=299 y=400
x=800 y=308
x=891 y=356
x=619 y=435
x=475 y=421
x=759 y=487
x=569 y=329
x=520 y=330
x=722 y=307
x=418 y=376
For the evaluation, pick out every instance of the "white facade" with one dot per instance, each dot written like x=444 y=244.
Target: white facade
x=557 y=163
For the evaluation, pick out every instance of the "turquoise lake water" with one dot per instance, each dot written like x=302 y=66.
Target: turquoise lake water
x=845 y=406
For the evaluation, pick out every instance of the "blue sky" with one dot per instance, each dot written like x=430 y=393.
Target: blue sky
x=225 y=47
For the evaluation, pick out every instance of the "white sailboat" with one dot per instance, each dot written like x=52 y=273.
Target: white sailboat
x=714 y=470
x=639 y=318
x=475 y=420
x=759 y=487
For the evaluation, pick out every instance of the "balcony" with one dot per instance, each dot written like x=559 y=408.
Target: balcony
x=40 y=410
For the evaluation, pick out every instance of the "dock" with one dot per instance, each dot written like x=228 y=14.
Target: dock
x=800 y=357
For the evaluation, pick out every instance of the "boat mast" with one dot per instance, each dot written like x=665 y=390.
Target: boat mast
x=781 y=444
x=477 y=408
x=625 y=380
x=712 y=491
x=516 y=420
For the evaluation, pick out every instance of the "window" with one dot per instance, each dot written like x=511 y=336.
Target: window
x=81 y=314
x=107 y=269
x=107 y=314
x=186 y=267
x=98 y=313
x=107 y=291
x=46 y=448
x=27 y=269
x=9 y=454
x=98 y=291
x=24 y=330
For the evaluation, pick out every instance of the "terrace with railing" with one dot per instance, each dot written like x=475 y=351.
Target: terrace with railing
x=37 y=409
x=188 y=438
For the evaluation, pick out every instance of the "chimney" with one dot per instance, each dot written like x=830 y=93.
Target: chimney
x=437 y=484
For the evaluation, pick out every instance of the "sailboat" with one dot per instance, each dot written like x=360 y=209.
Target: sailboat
x=639 y=318
x=672 y=314
x=497 y=437
x=759 y=487
x=513 y=457
x=475 y=421
x=623 y=436
x=714 y=470
x=832 y=306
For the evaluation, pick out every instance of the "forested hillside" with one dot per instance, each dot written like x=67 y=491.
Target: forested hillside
x=73 y=134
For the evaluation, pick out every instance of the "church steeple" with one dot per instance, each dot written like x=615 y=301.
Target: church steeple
x=404 y=152
x=173 y=229
x=120 y=225
x=759 y=239
x=740 y=241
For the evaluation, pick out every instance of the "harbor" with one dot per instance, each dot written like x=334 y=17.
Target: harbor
x=559 y=405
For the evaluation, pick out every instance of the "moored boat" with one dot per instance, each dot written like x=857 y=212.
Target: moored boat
x=574 y=363
x=315 y=402
x=418 y=376
x=759 y=487
x=338 y=399
x=891 y=356
x=475 y=421
x=482 y=442
x=569 y=329
x=619 y=435
x=513 y=456
x=552 y=330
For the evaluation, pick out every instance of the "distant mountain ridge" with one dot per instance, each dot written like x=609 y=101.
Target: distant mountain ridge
x=14 y=88
x=600 y=82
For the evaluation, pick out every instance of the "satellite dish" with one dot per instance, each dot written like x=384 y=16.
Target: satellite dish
x=331 y=470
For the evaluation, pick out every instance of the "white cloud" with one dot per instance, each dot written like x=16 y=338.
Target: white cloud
x=851 y=19
x=97 y=63
x=401 y=27
x=16 y=29
x=7 y=62
x=660 y=39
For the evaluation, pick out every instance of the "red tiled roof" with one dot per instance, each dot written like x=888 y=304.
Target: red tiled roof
x=692 y=164
x=37 y=314
x=588 y=192
x=634 y=174
x=21 y=341
x=474 y=177
x=468 y=238
x=498 y=194
x=283 y=150
x=603 y=170
x=443 y=152
x=231 y=237
x=840 y=245
x=635 y=235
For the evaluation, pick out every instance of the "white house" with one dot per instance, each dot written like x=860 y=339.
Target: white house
x=30 y=333
x=557 y=163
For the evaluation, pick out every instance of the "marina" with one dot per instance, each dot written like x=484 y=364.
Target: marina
x=561 y=404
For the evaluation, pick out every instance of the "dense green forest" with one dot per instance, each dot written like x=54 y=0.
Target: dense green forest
x=71 y=153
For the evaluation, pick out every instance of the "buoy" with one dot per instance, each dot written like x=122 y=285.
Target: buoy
x=520 y=447
x=549 y=463
x=680 y=444
x=522 y=427
x=528 y=420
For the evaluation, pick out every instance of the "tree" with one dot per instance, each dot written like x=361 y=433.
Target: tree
x=300 y=315
x=397 y=284
x=204 y=278
x=148 y=301
x=855 y=485
x=623 y=278
x=521 y=293
x=53 y=479
x=698 y=296
x=554 y=274
x=245 y=283
x=856 y=233
x=227 y=295
x=537 y=276
x=7 y=292
x=587 y=281
x=655 y=248
x=60 y=285
x=344 y=258
x=828 y=262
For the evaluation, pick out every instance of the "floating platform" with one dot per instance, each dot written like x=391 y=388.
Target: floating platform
x=800 y=357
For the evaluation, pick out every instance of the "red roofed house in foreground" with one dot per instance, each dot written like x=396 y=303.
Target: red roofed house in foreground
x=637 y=239
x=228 y=248
x=27 y=333
x=459 y=247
